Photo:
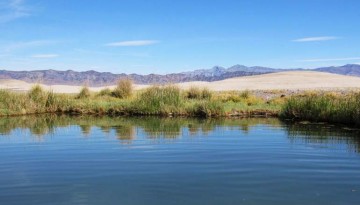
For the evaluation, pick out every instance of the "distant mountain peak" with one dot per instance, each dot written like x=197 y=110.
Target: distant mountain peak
x=95 y=78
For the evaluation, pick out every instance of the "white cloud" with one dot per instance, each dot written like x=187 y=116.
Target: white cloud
x=13 y=9
x=319 y=38
x=45 y=56
x=330 y=59
x=133 y=43
x=25 y=45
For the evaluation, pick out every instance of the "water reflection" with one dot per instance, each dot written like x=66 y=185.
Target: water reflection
x=318 y=133
x=127 y=129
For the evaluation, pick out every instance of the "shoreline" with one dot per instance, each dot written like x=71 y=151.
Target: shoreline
x=170 y=101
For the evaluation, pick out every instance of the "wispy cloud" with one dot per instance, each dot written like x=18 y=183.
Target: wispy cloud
x=25 y=45
x=45 y=56
x=133 y=43
x=93 y=52
x=13 y=9
x=330 y=59
x=318 y=38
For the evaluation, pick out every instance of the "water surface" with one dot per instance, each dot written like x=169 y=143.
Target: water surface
x=133 y=161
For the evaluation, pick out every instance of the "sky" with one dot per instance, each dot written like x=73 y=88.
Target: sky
x=165 y=36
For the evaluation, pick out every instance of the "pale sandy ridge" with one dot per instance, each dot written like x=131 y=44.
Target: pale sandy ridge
x=291 y=80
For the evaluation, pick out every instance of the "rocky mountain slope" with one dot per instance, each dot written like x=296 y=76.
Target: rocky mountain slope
x=350 y=69
x=94 y=78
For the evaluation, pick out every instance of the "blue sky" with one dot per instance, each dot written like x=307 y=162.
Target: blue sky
x=164 y=36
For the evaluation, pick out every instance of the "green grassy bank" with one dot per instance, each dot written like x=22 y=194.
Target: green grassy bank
x=324 y=107
x=156 y=100
x=170 y=100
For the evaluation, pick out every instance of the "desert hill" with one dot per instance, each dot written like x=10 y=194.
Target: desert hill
x=289 y=80
x=99 y=79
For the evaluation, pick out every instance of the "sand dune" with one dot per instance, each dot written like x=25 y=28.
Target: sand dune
x=292 y=80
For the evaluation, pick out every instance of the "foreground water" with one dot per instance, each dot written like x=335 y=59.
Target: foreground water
x=102 y=160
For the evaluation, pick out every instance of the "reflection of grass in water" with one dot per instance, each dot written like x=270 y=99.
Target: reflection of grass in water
x=126 y=132
x=171 y=128
x=152 y=126
x=105 y=129
x=85 y=129
x=203 y=125
x=125 y=127
x=324 y=134
x=166 y=128
x=37 y=125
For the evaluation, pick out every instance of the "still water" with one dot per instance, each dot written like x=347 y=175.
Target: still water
x=133 y=161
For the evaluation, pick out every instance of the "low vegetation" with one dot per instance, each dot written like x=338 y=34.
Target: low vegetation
x=158 y=100
x=170 y=100
x=123 y=100
x=84 y=93
x=324 y=107
x=197 y=93
x=124 y=89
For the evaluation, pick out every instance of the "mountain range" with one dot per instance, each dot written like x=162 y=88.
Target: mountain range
x=94 y=78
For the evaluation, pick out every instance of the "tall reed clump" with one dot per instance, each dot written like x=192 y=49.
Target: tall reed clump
x=12 y=103
x=36 y=100
x=55 y=103
x=324 y=107
x=158 y=100
x=37 y=94
x=41 y=101
x=124 y=89
x=199 y=94
x=84 y=93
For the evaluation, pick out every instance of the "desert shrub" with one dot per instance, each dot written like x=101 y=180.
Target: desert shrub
x=124 y=89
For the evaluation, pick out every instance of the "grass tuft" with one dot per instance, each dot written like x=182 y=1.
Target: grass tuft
x=199 y=94
x=84 y=93
x=158 y=100
x=105 y=92
x=124 y=89
x=37 y=94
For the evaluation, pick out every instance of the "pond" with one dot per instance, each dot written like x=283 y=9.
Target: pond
x=50 y=159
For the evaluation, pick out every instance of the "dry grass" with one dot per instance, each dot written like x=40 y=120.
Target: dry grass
x=84 y=93
x=124 y=89
x=197 y=93
x=155 y=100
